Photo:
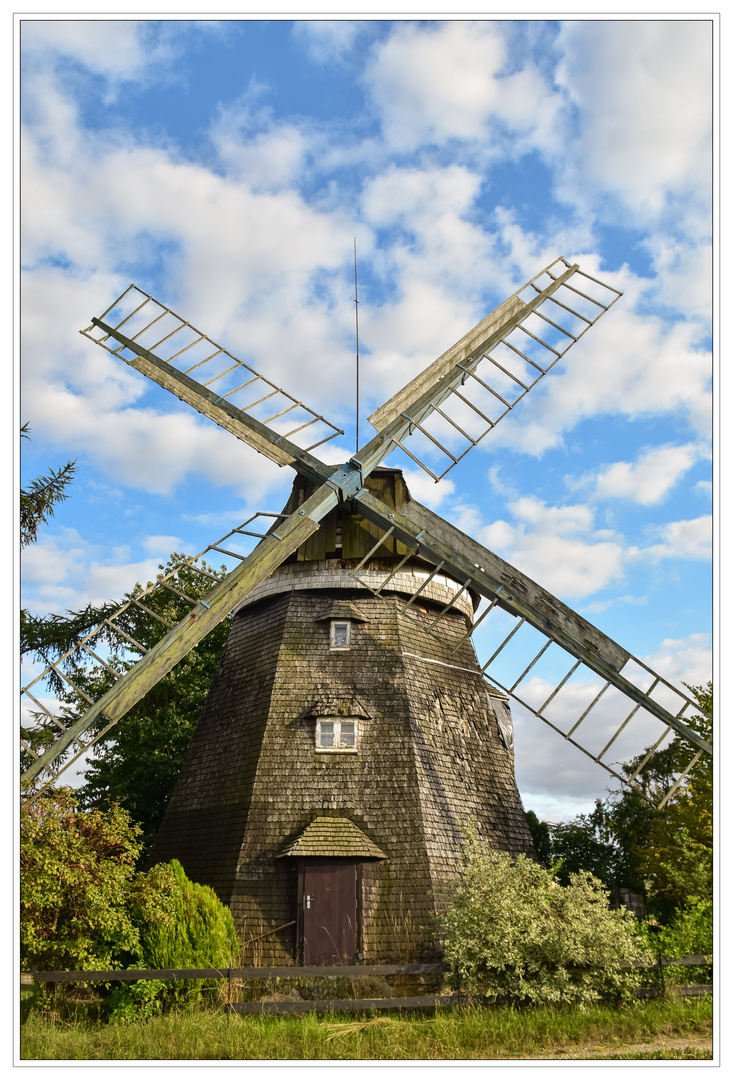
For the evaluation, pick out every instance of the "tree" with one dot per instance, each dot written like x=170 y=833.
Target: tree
x=39 y=500
x=586 y=843
x=138 y=762
x=664 y=854
x=198 y=932
x=77 y=877
x=676 y=855
x=85 y=907
x=511 y=929
x=540 y=831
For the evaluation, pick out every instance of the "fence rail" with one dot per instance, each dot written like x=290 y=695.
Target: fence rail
x=352 y=970
x=424 y=1001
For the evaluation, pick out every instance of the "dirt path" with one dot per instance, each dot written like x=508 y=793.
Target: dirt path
x=598 y=1051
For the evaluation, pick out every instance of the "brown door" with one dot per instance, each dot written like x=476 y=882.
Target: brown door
x=329 y=911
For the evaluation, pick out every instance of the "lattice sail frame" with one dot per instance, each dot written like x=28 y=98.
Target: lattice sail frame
x=514 y=348
x=654 y=692
x=137 y=319
x=424 y=532
x=110 y=637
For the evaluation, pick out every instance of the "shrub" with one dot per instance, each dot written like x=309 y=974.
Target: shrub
x=84 y=907
x=195 y=931
x=511 y=930
x=77 y=873
x=690 y=933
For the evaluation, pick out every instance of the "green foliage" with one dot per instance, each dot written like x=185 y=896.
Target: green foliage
x=39 y=500
x=37 y=504
x=200 y=934
x=131 y=1002
x=586 y=844
x=77 y=874
x=669 y=851
x=196 y=931
x=689 y=933
x=84 y=907
x=138 y=762
x=511 y=929
x=540 y=831
x=666 y=854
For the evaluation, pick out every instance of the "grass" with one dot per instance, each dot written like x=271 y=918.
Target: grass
x=472 y=1032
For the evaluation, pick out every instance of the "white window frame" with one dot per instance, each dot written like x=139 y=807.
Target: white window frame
x=334 y=624
x=337 y=721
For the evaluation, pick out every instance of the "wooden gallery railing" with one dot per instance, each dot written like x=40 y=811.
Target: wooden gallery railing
x=338 y=1004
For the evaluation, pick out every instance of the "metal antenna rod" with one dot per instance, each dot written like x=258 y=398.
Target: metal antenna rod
x=356 y=312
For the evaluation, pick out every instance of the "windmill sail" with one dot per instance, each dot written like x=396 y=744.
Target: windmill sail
x=199 y=620
x=449 y=407
x=522 y=605
x=153 y=339
x=518 y=343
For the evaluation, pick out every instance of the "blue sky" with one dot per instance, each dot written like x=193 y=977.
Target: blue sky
x=226 y=167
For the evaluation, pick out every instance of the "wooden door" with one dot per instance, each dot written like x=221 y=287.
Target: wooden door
x=329 y=911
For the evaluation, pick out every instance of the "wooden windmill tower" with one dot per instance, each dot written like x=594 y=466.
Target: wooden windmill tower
x=350 y=732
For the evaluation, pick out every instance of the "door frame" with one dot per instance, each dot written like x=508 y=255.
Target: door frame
x=299 y=928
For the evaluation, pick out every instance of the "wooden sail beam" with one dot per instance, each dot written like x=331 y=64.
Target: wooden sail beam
x=159 y=660
x=247 y=428
x=497 y=580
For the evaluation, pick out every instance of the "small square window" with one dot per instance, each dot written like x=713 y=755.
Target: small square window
x=336 y=734
x=340 y=634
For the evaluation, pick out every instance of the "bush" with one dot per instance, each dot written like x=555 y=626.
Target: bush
x=690 y=933
x=77 y=874
x=511 y=930
x=84 y=907
x=195 y=931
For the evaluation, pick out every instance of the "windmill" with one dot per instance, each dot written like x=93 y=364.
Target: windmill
x=351 y=731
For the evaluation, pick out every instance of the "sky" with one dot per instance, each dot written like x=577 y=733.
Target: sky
x=226 y=167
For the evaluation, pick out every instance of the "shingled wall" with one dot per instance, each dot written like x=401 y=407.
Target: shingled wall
x=429 y=760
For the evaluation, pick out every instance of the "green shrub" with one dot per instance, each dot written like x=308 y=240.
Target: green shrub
x=77 y=875
x=129 y=1002
x=689 y=933
x=195 y=931
x=511 y=930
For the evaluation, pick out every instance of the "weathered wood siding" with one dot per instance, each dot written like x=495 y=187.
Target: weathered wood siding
x=429 y=761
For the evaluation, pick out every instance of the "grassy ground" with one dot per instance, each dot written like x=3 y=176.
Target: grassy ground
x=669 y=1028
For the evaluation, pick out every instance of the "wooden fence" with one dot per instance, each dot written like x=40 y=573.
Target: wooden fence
x=349 y=971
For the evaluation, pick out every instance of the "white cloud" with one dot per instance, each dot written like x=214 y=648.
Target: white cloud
x=547 y=544
x=680 y=540
x=448 y=81
x=424 y=489
x=556 y=773
x=119 y=51
x=683 y=660
x=63 y=571
x=161 y=546
x=648 y=480
x=683 y=273
x=629 y=364
x=326 y=41
x=253 y=282
x=598 y=606
x=643 y=94
x=108 y=47
x=254 y=148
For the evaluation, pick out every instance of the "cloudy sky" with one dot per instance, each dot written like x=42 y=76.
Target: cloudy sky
x=226 y=167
